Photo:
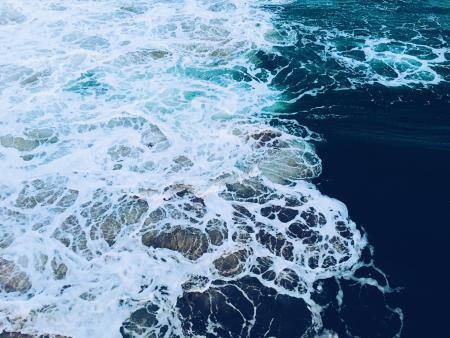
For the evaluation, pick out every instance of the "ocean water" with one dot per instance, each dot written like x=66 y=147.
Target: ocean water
x=160 y=172
x=386 y=154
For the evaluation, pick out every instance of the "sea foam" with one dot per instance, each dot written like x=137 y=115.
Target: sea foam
x=139 y=173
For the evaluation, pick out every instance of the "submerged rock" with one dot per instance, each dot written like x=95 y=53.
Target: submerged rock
x=131 y=209
x=190 y=242
x=110 y=228
x=142 y=56
x=231 y=264
x=12 y=279
x=127 y=121
x=121 y=152
x=241 y=215
x=299 y=230
x=282 y=213
x=143 y=322
x=36 y=78
x=59 y=269
x=154 y=138
x=289 y=280
x=242 y=308
x=51 y=191
x=290 y=164
x=33 y=139
x=248 y=191
x=6 y=238
x=195 y=282
x=281 y=160
x=17 y=142
x=106 y=216
x=42 y=135
x=217 y=231
x=6 y=334
x=262 y=265
x=265 y=137
x=277 y=244
x=71 y=234
x=313 y=218
x=181 y=163
x=181 y=205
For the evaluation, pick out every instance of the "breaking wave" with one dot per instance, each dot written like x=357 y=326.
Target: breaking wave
x=144 y=191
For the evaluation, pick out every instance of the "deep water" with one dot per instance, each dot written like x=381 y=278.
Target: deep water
x=386 y=153
x=400 y=195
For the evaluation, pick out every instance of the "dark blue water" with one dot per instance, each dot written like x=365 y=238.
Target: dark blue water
x=400 y=195
x=367 y=75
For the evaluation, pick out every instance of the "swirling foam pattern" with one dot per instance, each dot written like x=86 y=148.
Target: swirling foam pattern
x=143 y=192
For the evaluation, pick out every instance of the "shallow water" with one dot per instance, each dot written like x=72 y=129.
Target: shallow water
x=155 y=181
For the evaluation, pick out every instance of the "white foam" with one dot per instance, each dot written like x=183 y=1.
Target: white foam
x=400 y=67
x=123 y=89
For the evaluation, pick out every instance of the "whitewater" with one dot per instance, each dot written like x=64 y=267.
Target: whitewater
x=140 y=176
